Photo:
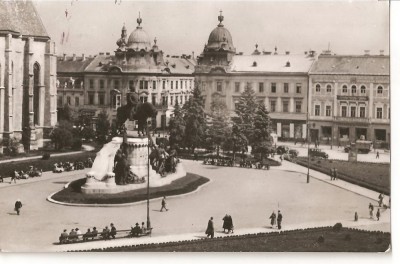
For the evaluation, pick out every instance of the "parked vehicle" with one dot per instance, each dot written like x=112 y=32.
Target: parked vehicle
x=363 y=146
x=282 y=150
x=317 y=153
x=294 y=153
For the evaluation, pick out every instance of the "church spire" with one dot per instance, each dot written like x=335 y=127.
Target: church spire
x=220 y=19
x=139 y=21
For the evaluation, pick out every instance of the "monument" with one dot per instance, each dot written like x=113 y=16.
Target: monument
x=124 y=164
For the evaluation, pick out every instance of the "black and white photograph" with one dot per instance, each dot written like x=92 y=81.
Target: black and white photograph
x=196 y=126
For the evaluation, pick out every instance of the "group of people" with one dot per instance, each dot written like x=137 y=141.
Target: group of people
x=276 y=219
x=219 y=161
x=164 y=160
x=70 y=166
x=227 y=225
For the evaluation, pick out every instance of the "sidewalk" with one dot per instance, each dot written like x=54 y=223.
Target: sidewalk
x=40 y=156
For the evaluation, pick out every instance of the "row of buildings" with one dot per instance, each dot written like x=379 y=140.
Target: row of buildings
x=346 y=97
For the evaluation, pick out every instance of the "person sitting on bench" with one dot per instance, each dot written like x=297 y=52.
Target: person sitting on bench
x=135 y=231
x=106 y=233
x=113 y=231
x=64 y=236
x=143 y=228
x=72 y=235
x=87 y=235
x=94 y=233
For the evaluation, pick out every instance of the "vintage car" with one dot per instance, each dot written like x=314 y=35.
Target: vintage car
x=317 y=153
x=282 y=150
x=294 y=153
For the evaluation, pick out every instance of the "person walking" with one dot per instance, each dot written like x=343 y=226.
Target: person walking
x=377 y=154
x=210 y=228
x=273 y=218
x=371 y=211
x=113 y=231
x=279 y=220
x=13 y=177
x=225 y=225
x=18 y=206
x=380 y=199
x=332 y=173
x=356 y=217
x=230 y=224
x=378 y=214
x=163 y=204
x=335 y=174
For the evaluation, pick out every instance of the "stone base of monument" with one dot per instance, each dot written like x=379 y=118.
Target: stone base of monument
x=101 y=179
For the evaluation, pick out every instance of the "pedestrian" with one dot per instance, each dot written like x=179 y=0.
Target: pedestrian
x=225 y=225
x=230 y=224
x=13 y=177
x=163 y=204
x=281 y=158
x=143 y=228
x=279 y=220
x=378 y=214
x=332 y=173
x=273 y=218
x=113 y=231
x=18 y=206
x=335 y=174
x=210 y=228
x=371 y=211
x=377 y=154
x=356 y=217
x=380 y=199
x=78 y=233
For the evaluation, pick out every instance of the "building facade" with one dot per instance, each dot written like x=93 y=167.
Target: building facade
x=137 y=66
x=349 y=99
x=280 y=81
x=28 y=103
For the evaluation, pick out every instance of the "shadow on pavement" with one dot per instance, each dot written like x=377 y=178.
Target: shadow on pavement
x=60 y=182
x=12 y=213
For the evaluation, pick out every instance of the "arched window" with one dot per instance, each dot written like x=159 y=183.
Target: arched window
x=363 y=89
x=36 y=93
x=344 y=89
x=353 y=89
x=380 y=89
x=318 y=88
x=329 y=88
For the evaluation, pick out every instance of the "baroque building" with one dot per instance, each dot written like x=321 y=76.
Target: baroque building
x=137 y=66
x=28 y=109
x=349 y=99
x=280 y=81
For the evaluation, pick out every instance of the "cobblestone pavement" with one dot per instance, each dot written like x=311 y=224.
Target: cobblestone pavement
x=249 y=195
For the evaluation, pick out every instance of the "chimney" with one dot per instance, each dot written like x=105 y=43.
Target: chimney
x=73 y=57
x=101 y=53
x=64 y=57
x=108 y=53
x=382 y=52
x=287 y=52
x=366 y=52
x=83 y=57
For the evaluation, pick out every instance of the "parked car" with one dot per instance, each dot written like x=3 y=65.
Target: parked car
x=294 y=153
x=317 y=153
x=282 y=150
x=363 y=146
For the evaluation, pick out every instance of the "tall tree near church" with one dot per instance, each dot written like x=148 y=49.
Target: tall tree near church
x=218 y=125
x=195 y=121
x=262 y=141
x=176 y=127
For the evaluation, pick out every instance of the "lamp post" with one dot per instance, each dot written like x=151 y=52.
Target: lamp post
x=307 y=136
x=148 y=178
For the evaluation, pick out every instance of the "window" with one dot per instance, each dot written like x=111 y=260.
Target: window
x=91 y=84
x=298 y=106
x=318 y=88
x=285 y=106
x=237 y=87
x=219 y=86
x=180 y=99
x=68 y=100
x=76 y=101
x=172 y=85
x=176 y=84
x=101 y=84
x=286 y=88
x=153 y=99
x=329 y=88
x=328 y=110
x=353 y=89
x=101 y=99
x=146 y=85
x=344 y=111
x=143 y=99
x=91 y=98
x=363 y=89
x=131 y=86
x=273 y=87
x=164 y=100
x=116 y=84
x=273 y=106
x=298 y=87
x=172 y=100
x=154 y=85
x=115 y=100
x=362 y=111
x=260 y=87
x=141 y=84
x=163 y=84
x=317 y=110
x=353 y=111
x=380 y=89
x=344 y=89
x=181 y=84
x=379 y=112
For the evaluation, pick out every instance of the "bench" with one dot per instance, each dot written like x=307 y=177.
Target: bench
x=81 y=238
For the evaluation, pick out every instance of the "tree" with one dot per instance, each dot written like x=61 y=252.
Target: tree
x=68 y=114
x=176 y=126
x=218 y=125
x=195 y=122
x=262 y=141
x=62 y=135
x=102 y=126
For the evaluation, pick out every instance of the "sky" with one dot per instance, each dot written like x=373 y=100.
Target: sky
x=346 y=27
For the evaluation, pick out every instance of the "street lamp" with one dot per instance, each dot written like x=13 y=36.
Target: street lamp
x=148 y=177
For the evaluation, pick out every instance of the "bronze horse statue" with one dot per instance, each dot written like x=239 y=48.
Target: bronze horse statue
x=135 y=110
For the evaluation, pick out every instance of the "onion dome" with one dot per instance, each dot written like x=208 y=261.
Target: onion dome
x=220 y=37
x=138 y=39
x=122 y=41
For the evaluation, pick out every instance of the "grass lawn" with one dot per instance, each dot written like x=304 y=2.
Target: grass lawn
x=45 y=165
x=183 y=185
x=345 y=240
x=374 y=176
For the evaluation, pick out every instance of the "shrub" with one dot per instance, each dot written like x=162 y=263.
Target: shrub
x=61 y=138
x=46 y=156
x=77 y=144
x=321 y=239
x=347 y=237
x=337 y=227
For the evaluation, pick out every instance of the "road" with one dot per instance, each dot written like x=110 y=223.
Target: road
x=249 y=195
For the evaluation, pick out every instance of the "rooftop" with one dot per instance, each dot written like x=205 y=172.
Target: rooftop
x=21 y=17
x=70 y=65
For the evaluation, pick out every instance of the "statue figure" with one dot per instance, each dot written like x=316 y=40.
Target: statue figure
x=135 y=110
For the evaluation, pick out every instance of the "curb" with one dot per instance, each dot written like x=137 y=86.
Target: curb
x=50 y=199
